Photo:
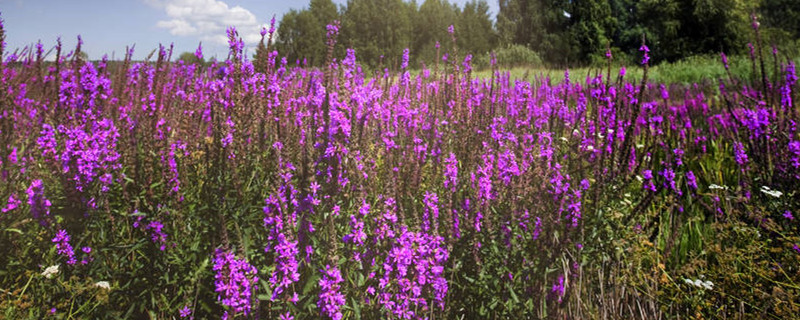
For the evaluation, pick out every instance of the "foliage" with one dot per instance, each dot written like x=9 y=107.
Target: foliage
x=191 y=58
x=516 y=56
x=302 y=32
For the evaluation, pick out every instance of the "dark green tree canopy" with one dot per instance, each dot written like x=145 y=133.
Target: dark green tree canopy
x=561 y=32
x=301 y=34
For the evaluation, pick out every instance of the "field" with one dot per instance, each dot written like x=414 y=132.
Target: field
x=255 y=190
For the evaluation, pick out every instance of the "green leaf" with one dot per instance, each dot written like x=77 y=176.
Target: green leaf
x=263 y=297
x=310 y=283
x=14 y=230
x=356 y=308
x=511 y=292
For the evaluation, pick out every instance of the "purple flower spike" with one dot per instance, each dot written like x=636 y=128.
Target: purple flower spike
x=646 y=56
x=63 y=247
x=236 y=281
x=330 y=299
x=724 y=60
x=199 y=52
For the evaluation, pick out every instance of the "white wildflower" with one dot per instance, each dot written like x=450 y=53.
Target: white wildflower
x=707 y=285
x=717 y=187
x=50 y=271
x=103 y=285
x=768 y=191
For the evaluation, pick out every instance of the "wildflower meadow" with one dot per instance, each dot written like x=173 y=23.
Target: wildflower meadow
x=250 y=188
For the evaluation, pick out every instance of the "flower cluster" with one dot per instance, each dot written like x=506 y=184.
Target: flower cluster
x=330 y=299
x=236 y=281
x=155 y=228
x=451 y=172
x=413 y=275
x=63 y=247
x=86 y=156
x=40 y=206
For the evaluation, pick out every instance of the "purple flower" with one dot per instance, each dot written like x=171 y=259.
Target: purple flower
x=646 y=54
x=648 y=180
x=87 y=251
x=451 y=30
x=333 y=29
x=272 y=25
x=755 y=23
x=13 y=156
x=235 y=281
x=467 y=63
x=559 y=289
x=286 y=316
x=724 y=60
x=330 y=299
x=451 y=172
x=431 y=210
x=669 y=180
x=404 y=65
x=413 y=278
x=235 y=43
x=199 y=52
x=678 y=152
x=691 y=180
x=585 y=184
x=157 y=234
x=12 y=204
x=794 y=150
x=739 y=154
x=63 y=247
x=185 y=312
x=154 y=228
x=40 y=206
x=788 y=215
x=786 y=88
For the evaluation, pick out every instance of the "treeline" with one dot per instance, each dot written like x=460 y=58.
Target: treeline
x=379 y=30
x=555 y=32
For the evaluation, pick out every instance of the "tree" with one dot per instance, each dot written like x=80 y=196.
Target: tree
x=301 y=34
x=680 y=28
x=475 y=32
x=783 y=15
x=430 y=26
x=190 y=58
x=592 y=26
x=378 y=30
x=541 y=25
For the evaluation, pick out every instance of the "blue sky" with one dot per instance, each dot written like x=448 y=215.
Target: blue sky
x=108 y=26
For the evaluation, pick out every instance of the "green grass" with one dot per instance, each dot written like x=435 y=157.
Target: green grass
x=697 y=69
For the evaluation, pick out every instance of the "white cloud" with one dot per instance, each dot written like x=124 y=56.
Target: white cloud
x=207 y=20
